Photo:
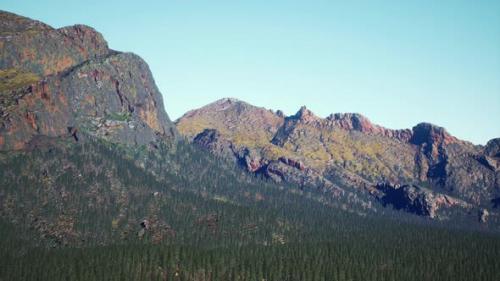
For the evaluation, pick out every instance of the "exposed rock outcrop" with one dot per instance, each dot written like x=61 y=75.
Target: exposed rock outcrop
x=212 y=140
x=491 y=156
x=290 y=162
x=417 y=199
x=83 y=85
x=483 y=215
x=358 y=122
x=492 y=148
x=43 y=50
x=305 y=115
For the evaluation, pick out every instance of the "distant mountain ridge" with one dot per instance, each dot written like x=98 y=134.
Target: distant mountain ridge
x=348 y=150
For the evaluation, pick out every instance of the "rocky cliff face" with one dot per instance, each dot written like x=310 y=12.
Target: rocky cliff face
x=346 y=151
x=418 y=200
x=358 y=122
x=491 y=155
x=67 y=83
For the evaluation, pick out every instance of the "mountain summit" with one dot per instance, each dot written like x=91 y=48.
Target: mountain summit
x=67 y=83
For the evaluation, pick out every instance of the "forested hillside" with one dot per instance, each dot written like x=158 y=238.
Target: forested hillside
x=89 y=211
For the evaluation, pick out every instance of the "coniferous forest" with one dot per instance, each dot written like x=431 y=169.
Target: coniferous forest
x=91 y=212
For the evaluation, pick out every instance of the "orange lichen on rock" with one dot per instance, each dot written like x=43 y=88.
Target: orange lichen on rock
x=150 y=117
x=63 y=100
x=31 y=118
x=28 y=54
x=90 y=99
x=42 y=90
x=19 y=145
x=64 y=63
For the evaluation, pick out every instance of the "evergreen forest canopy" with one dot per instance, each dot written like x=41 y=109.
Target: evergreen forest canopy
x=100 y=211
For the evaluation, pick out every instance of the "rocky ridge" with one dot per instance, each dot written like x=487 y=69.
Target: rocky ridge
x=345 y=151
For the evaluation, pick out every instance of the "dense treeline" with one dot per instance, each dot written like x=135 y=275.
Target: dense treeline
x=441 y=256
x=95 y=211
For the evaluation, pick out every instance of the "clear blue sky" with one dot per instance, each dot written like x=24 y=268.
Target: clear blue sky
x=397 y=62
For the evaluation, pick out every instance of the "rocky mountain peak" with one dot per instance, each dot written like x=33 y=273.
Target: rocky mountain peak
x=226 y=103
x=60 y=82
x=42 y=50
x=358 y=122
x=232 y=118
x=229 y=100
x=280 y=113
x=216 y=106
x=352 y=121
x=431 y=134
x=305 y=115
x=492 y=148
x=86 y=39
x=491 y=157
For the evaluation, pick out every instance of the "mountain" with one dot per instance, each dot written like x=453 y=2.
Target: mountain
x=88 y=155
x=65 y=82
x=96 y=183
x=347 y=150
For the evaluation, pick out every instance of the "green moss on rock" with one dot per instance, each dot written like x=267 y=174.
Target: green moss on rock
x=14 y=78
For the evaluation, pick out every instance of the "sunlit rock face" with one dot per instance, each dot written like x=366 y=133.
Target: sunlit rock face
x=346 y=151
x=67 y=82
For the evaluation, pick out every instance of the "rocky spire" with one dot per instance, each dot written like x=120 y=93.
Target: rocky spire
x=305 y=115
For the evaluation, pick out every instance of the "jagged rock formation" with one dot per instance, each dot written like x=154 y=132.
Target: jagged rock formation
x=357 y=122
x=346 y=151
x=417 y=199
x=67 y=82
x=213 y=141
x=491 y=155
